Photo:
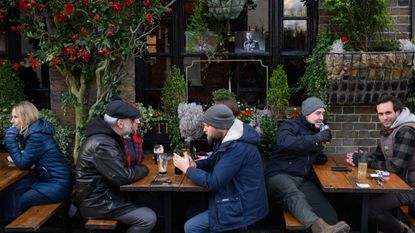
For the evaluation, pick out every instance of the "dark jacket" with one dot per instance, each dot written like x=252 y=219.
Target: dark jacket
x=38 y=151
x=295 y=149
x=100 y=171
x=235 y=178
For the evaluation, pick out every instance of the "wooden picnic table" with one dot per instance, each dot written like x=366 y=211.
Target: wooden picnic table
x=9 y=175
x=174 y=183
x=335 y=181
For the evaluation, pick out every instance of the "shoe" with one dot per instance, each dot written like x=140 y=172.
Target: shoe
x=320 y=226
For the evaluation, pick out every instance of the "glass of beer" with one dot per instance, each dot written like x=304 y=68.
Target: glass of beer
x=362 y=165
x=162 y=163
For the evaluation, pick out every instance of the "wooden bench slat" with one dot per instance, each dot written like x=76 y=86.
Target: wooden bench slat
x=291 y=222
x=405 y=211
x=102 y=224
x=33 y=218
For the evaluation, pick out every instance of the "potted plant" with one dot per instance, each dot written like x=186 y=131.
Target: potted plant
x=174 y=93
x=278 y=93
x=203 y=31
x=362 y=63
x=221 y=93
x=191 y=122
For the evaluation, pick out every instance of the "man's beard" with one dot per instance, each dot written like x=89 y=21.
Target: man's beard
x=215 y=138
x=126 y=131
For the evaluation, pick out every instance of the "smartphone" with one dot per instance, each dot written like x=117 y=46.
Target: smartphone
x=341 y=169
x=160 y=182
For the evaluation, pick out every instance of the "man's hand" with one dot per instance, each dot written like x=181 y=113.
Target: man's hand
x=183 y=163
x=324 y=135
x=349 y=159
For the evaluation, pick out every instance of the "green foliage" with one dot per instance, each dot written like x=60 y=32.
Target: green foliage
x=268 y=127
x=63 y=136
x=361 y=21
x=278 y=93
x=174 y=93
x=221 y=93
x=176 y=142
x=12 y=92
x=314 y=81
x=11 y=86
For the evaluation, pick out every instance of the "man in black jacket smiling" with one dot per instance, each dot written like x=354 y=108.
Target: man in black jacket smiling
x=297 y=147
x=101 y=169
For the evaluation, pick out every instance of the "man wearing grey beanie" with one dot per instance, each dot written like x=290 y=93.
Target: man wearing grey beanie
x=297 y=147
x=233 y=174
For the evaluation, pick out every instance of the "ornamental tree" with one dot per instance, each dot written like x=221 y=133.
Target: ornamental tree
x=89 y=43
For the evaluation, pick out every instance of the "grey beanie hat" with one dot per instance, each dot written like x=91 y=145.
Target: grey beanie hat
x=310 y=105
x=219 y=116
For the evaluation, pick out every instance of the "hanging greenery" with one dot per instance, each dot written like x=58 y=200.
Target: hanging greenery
x=314 y=82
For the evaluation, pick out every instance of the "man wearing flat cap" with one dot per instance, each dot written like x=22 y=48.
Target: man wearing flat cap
x=233 y=174
x=101 y=169
x=297 y=146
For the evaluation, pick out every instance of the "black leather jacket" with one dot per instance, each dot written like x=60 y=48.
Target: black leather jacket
x=100 y=170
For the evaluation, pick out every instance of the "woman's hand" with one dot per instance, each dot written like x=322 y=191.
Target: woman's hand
x=12 y=132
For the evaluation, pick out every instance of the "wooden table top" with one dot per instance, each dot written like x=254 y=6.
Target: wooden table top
x=178 y=182
x=9 y=175
x=332 y=181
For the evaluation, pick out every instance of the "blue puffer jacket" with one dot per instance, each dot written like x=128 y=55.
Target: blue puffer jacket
x=235 y=177
x=41 y=153
x=295 y=149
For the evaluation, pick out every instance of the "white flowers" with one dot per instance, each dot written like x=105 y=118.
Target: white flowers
x=406 y=45
x=337 y=47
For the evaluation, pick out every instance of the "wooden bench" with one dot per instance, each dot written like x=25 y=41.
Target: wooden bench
x=405 y=211
x=101 y=224
x=292 y=223
x=33 y=218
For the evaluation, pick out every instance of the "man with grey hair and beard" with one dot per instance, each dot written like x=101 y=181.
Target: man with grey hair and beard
x=233 y=174
x=101 y=169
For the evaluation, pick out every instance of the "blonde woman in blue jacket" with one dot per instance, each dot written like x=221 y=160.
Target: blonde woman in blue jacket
x=31 y=146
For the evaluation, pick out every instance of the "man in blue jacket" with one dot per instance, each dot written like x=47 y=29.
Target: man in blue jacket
x=298 y=145
x=233 y=174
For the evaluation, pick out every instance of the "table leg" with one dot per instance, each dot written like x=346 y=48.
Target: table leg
x=167 y=212
x=364 y=217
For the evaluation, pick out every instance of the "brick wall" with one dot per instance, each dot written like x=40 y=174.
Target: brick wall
x=400 y=11
x=58 y=87
x=353 y=127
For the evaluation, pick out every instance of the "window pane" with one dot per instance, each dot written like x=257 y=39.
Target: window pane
x=246 y=78
x=158 y=70
x=295 y=35
x=253 y=17
x=294 y=8
x=158 y=40
x=294 y=67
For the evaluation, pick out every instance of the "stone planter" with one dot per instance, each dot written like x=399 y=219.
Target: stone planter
x=361 y=78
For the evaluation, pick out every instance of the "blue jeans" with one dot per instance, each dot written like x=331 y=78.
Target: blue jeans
x=198 y=224
x=302 y=198
x=19 y=197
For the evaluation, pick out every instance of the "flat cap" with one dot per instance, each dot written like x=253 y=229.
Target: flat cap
x=121 y=109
